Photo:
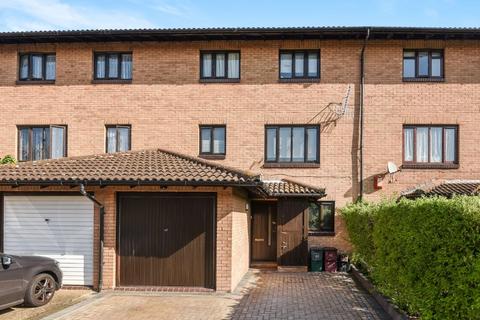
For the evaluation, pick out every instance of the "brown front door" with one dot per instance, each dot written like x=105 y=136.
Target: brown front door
x=166 y=239
x=292 y=232
x=264 y=231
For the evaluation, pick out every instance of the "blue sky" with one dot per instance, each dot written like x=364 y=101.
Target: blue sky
x=22 y=15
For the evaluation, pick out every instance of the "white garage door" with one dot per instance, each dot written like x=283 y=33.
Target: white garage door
x=59 y=227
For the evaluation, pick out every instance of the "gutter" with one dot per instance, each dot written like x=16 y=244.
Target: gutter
x=362 y=93
x=101 y=235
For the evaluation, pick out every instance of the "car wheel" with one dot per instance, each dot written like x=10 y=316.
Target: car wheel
x=40 y=290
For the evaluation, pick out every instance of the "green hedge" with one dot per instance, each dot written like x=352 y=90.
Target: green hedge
x=424 y=253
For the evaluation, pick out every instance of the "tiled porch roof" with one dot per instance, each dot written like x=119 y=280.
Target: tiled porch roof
x=445 y=188
x=146 y=167
x=143 y=167
x=283 y=188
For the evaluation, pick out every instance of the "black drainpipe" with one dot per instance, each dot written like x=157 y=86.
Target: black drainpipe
x=100 y=251
x=362 y=90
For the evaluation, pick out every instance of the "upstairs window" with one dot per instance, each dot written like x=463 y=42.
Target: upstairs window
x=41 y=142
x=430 y=145
x=321 y=216
x=213 y=140
x=301 y=65
x=422 y=64
x=220 y=65
x=113 y=66
x=37 y=67
x=292 y=144
x=118 y=138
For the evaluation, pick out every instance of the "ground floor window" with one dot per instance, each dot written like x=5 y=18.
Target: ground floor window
x=321 y=217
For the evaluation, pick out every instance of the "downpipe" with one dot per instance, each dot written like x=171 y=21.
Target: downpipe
x=101 y=233
x=362 y=93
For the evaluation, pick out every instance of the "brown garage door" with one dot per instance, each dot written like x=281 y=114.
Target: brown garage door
x=166 y=239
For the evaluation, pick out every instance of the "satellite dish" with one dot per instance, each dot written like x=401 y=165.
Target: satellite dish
x=391 y=167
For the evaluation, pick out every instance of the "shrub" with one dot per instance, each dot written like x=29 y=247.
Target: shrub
x=8 y=159
x=424 y=253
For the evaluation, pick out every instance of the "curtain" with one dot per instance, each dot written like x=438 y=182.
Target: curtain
x=123 y=139
x=271 y=144
x=24 y=67
x=58 y=143
x=234 y=65
x=408 y=145
x=298 y=144
x=24 y=144
x=285 y=144
x=100 y=67
x=113 y=66
x=312 y=65
x=111 y=140
x=219 y=140
x=205 y=136
x=50 y=69
x=37 y=67
x=38 y=147
x=220 y=65
x=436 y=143
x=299 y=72
x=285 y=65
x=450 y=142
x=422 y=144
x=312 y=135
x=126 y=66
x=423 y=63
x=207 y=65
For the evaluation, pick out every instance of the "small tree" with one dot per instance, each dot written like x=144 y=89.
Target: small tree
x=8 y=159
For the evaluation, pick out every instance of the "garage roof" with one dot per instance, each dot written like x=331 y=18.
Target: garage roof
x=444 y=188
x=154 y=167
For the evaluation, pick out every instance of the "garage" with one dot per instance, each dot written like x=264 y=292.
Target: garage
x=166 y=239
x=56 y=226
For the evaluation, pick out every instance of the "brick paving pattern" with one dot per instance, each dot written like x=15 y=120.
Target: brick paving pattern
x=307 y=296
x=265 y=295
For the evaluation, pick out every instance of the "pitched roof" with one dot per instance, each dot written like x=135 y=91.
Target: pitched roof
x=285 y=188
x=202 y=34
x=135 y=167
x=445 y=188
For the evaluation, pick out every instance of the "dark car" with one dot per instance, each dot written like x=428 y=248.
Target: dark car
x=30 y=280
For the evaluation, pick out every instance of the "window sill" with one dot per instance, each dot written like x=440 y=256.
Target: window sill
x=427 y=79
x=291 y=165
x=299 y=80
x=321 y=233
x=219 y=80
x=34 y=82
x=212 y=156
x=121 y=81
x=430 y=166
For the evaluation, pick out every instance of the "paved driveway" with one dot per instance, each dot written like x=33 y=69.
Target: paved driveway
x=266 y=295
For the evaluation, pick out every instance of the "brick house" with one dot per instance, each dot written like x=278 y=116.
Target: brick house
x=259 y=134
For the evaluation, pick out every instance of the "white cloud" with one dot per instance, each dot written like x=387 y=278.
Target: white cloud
x=56 y=14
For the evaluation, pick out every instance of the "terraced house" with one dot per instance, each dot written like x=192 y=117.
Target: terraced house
x=181 y=157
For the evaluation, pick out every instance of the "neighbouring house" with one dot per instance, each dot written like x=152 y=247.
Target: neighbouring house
x=180 y=157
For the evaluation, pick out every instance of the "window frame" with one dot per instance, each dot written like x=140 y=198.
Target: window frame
x=30 y=79
x=291 y=163
x=305 y=77
x=30 y=140
x=117 y=126
x=107 y=66
x=329 y=232
x=430 y=165
x=429 y=77
x=214 y=78
x=211 y=154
